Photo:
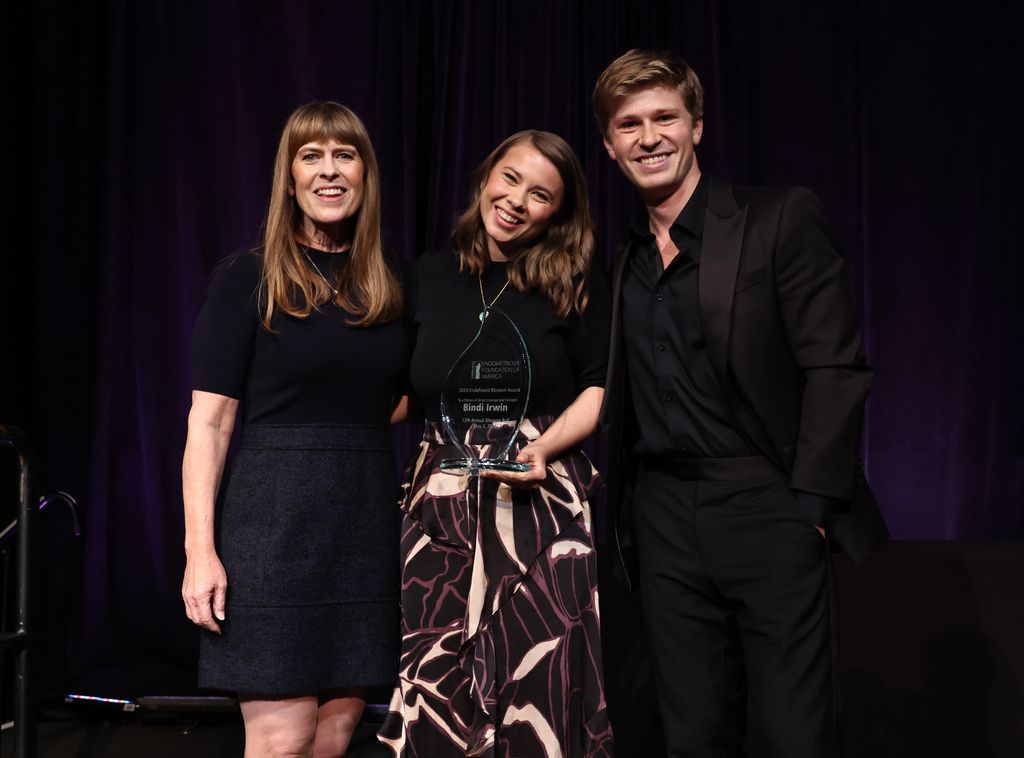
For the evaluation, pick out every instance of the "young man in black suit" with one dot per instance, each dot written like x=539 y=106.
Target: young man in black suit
x=733 y=410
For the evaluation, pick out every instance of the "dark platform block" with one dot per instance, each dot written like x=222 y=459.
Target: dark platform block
x=931 y=655
x=932 y=650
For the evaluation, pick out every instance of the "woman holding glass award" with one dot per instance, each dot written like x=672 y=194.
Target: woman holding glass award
x=297 y=591
x=501 y=652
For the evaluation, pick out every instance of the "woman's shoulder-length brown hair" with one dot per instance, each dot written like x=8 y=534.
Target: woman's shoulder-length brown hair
x=367 y=287
x=557 y=263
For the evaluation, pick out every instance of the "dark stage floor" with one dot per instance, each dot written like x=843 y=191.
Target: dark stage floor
x=107 y=735
x=931 y=662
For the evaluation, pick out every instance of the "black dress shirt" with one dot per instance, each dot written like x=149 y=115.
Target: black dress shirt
x=680 y=407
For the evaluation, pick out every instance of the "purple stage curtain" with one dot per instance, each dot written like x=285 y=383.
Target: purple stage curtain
x=143 y=138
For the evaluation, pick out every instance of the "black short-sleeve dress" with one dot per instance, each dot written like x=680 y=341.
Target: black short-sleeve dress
x=304 y=521
x=501 y=650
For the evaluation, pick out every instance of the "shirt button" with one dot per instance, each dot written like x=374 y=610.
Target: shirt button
x=661 y=348
x=660 y=297
x=668 y=397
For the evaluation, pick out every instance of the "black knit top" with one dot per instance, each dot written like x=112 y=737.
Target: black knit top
x=316 y=370
x=567 y=355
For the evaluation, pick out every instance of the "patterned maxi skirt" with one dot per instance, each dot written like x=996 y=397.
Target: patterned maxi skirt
x=501 y=648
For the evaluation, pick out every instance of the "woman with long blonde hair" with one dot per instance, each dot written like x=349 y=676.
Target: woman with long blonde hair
x=291 y=555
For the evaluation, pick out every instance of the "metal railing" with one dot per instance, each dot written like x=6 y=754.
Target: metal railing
x=18 y=640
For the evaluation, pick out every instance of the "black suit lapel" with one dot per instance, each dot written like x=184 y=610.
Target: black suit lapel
x=614 y=386
x=721 y=244
x=618 y=267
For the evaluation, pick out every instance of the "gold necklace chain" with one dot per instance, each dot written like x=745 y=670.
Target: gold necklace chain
x=480 y=281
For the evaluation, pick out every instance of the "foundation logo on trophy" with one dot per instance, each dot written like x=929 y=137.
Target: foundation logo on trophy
x=484 y=397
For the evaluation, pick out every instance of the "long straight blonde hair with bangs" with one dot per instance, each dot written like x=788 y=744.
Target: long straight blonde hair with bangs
x=367 y=287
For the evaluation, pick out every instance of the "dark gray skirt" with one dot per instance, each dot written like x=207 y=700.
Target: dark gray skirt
x=307 y=529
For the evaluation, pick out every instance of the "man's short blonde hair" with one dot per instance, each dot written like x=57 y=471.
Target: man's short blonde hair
x=639 y=69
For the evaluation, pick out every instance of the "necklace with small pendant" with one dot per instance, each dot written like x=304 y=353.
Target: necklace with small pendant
x=488 y=306
x=331 y=287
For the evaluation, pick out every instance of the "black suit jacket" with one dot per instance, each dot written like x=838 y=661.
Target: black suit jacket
x=783 y=338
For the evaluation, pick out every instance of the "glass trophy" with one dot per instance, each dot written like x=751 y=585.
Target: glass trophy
x=484 y=397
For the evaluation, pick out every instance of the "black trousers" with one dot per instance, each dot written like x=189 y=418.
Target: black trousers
x=739 y=604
